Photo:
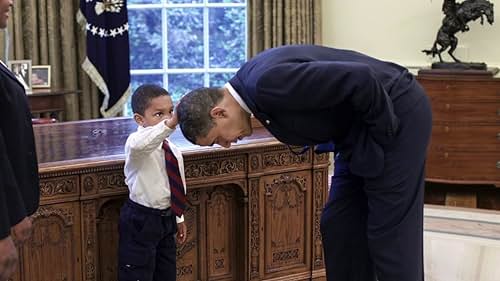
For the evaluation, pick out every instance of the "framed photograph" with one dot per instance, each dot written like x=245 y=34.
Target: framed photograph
x=22 y=71
x=40 y=76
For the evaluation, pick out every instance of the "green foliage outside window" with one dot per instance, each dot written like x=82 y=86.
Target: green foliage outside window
x=186 y=46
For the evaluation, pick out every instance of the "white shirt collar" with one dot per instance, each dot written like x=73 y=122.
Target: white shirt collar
x=237 y=97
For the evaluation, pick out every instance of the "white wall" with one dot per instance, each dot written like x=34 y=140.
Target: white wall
x=397 y=30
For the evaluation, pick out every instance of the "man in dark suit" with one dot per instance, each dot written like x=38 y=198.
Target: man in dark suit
x=376 y=118
x=19 y=190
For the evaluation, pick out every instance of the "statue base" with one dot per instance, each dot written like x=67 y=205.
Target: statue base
x=460 y=69
x=460 y=65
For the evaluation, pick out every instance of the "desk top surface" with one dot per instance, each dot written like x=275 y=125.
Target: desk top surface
x=103 y=140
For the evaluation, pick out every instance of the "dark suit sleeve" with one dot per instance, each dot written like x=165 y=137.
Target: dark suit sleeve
x=12 y=207
x=325 y=85
x=4 y=213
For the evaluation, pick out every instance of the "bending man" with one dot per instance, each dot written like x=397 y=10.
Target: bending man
x=377 y=120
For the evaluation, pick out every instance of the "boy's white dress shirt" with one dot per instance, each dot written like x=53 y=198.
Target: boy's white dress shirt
x=145 y=171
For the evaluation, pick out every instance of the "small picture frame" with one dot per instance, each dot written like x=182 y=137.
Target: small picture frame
x=22 y=71
x=40 y=76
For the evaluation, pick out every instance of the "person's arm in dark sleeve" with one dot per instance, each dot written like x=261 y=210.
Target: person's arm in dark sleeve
x=4 y=212
x=12 y=208
x=325 y=85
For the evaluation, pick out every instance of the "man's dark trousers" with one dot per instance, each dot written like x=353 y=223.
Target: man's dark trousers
x=372 y=228
x=147 y=248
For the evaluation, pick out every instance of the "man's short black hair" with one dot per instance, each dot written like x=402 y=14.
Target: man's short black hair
x=144 y=94
x=193 y=112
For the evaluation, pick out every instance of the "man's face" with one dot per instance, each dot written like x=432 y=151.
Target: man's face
x=160 y=108
x=4 y=12
x=230 y=126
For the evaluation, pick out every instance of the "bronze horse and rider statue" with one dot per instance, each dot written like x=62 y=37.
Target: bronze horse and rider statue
x=457 y=17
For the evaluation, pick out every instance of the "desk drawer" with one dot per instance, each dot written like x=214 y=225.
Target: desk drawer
x=471 y=111
x=475 y=138
x=463 y=90
x=449 y=164
x=464 y=101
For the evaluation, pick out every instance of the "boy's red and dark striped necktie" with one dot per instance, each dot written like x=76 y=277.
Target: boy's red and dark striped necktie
x=177 y=193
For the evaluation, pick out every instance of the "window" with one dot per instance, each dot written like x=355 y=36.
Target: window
x=185 y=44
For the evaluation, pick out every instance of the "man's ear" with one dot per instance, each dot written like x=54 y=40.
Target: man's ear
x=138 y=119
x=218 y=112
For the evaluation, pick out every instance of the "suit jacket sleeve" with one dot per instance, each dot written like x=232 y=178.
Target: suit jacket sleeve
x=12 y=207
x=324 y=85
x=4 y=212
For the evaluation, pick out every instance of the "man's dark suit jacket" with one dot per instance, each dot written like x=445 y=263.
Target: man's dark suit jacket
x=309 y=95
x=19 y=184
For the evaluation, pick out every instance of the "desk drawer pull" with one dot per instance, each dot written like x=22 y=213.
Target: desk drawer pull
x=498 y=136
x=498 y=164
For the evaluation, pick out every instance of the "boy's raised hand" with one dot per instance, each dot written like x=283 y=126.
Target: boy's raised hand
x=172 y=121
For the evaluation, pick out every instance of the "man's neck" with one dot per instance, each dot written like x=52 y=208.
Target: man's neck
x=236 y=96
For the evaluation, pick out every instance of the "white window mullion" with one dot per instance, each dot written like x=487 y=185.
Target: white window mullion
x=164 y=30
x=206 y=40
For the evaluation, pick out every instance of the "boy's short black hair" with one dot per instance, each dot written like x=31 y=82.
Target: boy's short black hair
x=144 y=94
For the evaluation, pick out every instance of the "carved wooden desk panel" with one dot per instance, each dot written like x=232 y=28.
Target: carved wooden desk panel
x=254 y=213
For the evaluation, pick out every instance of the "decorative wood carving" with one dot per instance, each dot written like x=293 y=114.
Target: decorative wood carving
x=89 y=184
x=319 y=200
x=210 y=168
x=254 y=229
x=59 y=187
x=284 y=159
x=89 y=238
x=266 y=161
x=184 y=271
x=107 y=220
x=322 y=159
x=189 y=254
x=220 y=227
x=287 y=202
x=111 y=182
x=64 y=214
x=255 y=162
x=56 y=228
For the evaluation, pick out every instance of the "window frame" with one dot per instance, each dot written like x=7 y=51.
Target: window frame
x=206 y=70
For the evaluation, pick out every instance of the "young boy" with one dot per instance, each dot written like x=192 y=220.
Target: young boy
x=148 y=223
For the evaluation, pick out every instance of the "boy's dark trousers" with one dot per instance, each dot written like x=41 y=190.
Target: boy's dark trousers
x=147 y=248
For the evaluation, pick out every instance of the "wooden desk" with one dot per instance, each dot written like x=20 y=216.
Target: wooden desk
x=254 y=214
x=49 y=102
